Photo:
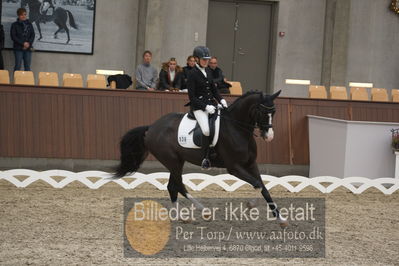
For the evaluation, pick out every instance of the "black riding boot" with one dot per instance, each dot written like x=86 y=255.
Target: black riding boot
x=206 y=163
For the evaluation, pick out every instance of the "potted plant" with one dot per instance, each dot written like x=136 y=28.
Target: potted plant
x=395 y=139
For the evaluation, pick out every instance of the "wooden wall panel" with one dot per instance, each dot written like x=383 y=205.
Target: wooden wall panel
x=47 y=122
x=299 y=129
x=382 y=112
x=300 y=108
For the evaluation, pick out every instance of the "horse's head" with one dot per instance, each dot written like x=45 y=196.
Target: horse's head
x=264 y=112
x=255 y=109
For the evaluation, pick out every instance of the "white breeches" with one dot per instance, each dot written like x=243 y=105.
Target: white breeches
x=202 y=118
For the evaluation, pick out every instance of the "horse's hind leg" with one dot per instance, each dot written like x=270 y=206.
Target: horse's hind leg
x=175 y=184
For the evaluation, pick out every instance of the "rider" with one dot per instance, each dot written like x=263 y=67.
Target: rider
x=44 y=10
x=203 y=96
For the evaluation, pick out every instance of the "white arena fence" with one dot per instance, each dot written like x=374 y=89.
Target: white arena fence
x=196 y=181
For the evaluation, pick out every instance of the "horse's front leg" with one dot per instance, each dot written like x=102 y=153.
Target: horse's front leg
x=253 y=170
x=39 y=29
x=55 y=33
x=252 y=176
x=67 y=32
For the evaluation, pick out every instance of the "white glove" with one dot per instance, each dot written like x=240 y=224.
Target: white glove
x=224 y=103
x=210 y=109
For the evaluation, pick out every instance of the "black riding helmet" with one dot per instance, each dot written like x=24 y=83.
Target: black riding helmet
x=202 y=52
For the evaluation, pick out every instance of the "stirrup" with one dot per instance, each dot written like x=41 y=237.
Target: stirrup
x=206 y=164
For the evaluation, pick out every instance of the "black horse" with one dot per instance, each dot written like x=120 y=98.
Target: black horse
x=59 y=16
x=236 y=148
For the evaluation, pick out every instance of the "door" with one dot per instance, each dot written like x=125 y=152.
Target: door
x=239 y=35
x=221 y=34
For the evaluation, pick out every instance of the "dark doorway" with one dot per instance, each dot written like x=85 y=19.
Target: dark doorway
x=240 y=35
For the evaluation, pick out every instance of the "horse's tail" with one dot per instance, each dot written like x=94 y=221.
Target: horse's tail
x=72 y=20
x=133 y=151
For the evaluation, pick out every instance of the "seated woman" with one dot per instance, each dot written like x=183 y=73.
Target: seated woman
x=170 y=77
x=190 y=65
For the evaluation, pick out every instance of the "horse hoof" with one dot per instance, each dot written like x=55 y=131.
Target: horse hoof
x=251 y=204
x=186 y=221
x=284 y=224
x=206 y=164
x=207 y=217
x=282 y=221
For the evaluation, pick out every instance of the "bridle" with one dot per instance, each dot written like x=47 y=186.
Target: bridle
x=261 y=111
x=257 y=112
x=261 y=115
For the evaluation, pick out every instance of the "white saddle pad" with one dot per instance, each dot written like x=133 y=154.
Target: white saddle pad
x=186 y=125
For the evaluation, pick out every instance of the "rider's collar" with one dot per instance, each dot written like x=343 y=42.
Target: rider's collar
x=199 y=67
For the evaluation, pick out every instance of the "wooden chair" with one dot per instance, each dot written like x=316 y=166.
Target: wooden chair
x=72 y=80
x=24 y=78
x=4 y=77
x=48 y=79
x=235 y=88
x=352 y=89
x=106 y=72
x=338 y=93
x=113 y=84
x=359 y=94
x=317 y=92
x=96 y=81
x=379 y=95
x=395 y=95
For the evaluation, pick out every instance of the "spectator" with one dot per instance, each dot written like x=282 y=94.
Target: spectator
x=170 y=76
x=190 y=65
x=1 y=46
x=146 y=75
x=217 y=76
x=23 y=35
x=44 y=8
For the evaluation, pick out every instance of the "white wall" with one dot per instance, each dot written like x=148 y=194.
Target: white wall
x=114 y=43
x=350 y=148
x=371 y=49
x=171 y=26
x=373 y=44
x=299 y=54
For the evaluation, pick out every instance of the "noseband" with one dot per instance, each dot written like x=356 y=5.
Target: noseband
x=260 y=112
x=259 y=117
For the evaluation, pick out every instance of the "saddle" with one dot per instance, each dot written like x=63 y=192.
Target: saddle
x=190 y=135
x=197 y=137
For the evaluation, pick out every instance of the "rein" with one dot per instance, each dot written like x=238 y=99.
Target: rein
x=241 y=124
x=252 y=127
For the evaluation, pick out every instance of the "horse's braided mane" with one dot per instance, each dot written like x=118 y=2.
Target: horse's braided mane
x=248 y=93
